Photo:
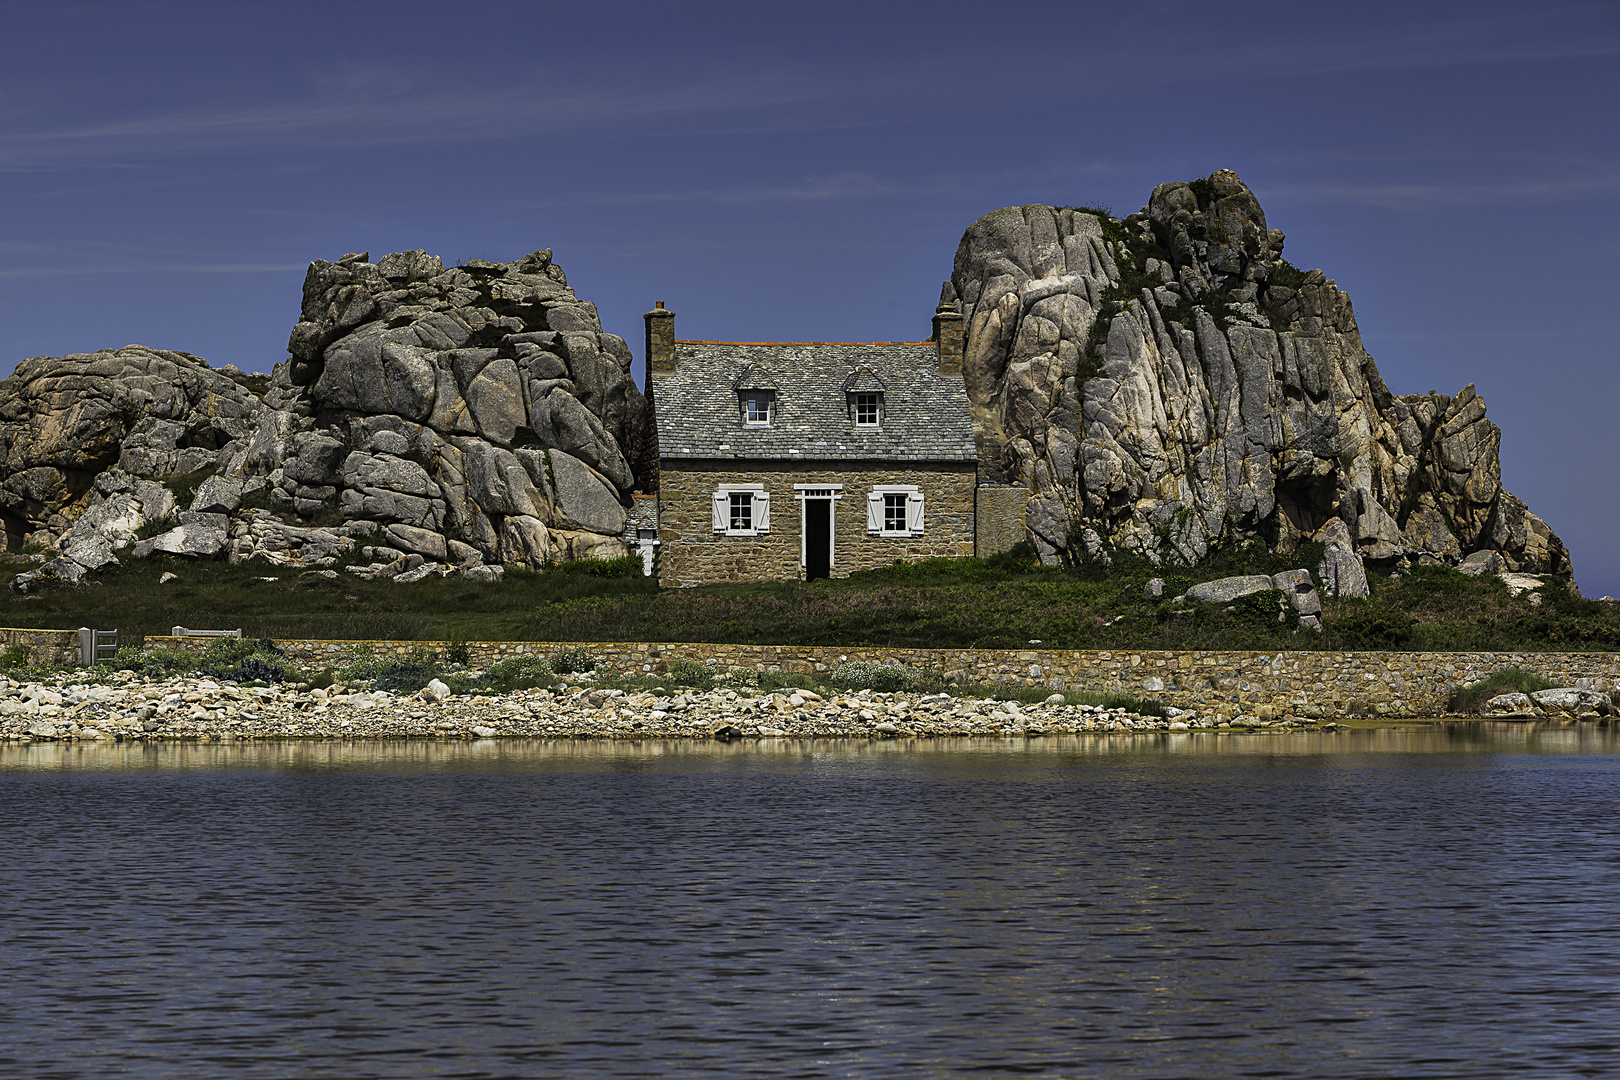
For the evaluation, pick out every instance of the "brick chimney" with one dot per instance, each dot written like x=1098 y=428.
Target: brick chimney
x=661 y=341
x=948 y=331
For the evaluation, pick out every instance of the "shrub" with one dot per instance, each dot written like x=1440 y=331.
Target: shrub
x=521 y=673
x=1139 y=706
x=161 y=663
x=684 y=672
x=256 y=669
x=740 y=678
x=1018 y=559
x=863 y=675
x=364 y=667
x=1259 y=610
x=628 y=566
x=1467 y=699
x=572 y=659
x=16 y=658
x=456 y=651
x=1367 y=625
x=242 y=660
x=406 y=676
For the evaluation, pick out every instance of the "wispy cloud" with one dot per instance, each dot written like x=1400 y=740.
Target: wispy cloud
x=36 y=271
x=863 y=186
x=371 y=116
x=1425 y=196
x=1287 y=41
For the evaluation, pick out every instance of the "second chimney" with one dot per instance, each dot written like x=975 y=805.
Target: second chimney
x=660 y=341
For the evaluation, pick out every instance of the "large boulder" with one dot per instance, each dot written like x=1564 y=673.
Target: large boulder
x=198 y=536
x=582 y=499
x=65 y=420
x=1225 y=590
x=1573 y=701
x=1510 y=706
x=480 y=402
x=1341 y=571
x=1169 y=383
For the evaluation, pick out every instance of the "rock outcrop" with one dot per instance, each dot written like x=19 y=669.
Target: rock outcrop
x=475 y=416
x=1296 y=587
x=481 y=403
x=66 y=420
x=1169 y=383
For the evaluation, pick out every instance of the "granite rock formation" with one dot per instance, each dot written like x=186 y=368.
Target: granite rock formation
x=445 y=418
x=66 y=420
x=1169 y=383
x=481 y=403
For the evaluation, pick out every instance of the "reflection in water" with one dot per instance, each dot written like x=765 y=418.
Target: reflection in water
x=1435 y=900
x=1422 y=738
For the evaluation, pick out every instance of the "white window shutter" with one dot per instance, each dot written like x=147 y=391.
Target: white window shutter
x=914 y=513
x=762 y=511
x=874 y=513
x=722 y=511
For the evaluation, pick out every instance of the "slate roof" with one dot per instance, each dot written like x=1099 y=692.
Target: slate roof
x=925 y=414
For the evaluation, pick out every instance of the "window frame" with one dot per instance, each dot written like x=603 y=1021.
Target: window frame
x=740 y=513
x=751 y=398
x=894 y=506
x=877 y=520
x=872 y=398
x=759 y=510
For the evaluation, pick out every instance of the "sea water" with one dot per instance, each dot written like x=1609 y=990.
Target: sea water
x=1428 y=902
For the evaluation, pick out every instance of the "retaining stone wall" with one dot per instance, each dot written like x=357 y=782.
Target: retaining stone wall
x=44 y=646
x=1328 y=685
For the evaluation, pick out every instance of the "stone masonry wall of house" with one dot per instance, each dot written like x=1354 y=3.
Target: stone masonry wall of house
x=1322 y=685
x=692 y=553
x=1003 y=509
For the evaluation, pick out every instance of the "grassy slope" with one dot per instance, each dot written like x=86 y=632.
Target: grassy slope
x=943 y=603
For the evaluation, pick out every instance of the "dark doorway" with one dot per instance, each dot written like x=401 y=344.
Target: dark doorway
x=817 y=538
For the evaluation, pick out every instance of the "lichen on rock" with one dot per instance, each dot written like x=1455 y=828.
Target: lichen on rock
x=1168 y=383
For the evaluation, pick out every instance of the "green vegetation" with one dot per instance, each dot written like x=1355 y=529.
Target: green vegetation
x=1286 y=274
x=573 y=659
x=861 y=675
x=1005 y=602
x=1468 y=699
x=238 y=659
x=520 y=673
x=685 y=672
x=422 y=665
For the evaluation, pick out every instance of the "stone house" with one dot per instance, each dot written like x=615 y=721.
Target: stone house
x=801 y=460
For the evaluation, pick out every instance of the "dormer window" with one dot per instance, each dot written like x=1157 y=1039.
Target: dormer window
x=868 y=410
x=864 y=391
x=756 y=396
x=756 y=407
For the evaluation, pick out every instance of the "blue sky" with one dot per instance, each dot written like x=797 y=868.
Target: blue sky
x=791 y=171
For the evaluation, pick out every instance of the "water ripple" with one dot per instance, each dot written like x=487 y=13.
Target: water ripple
x=1433 y=903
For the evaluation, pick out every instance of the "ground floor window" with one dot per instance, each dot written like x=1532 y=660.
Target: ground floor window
x=742 y=510
x=894 y=513
x=894 y=510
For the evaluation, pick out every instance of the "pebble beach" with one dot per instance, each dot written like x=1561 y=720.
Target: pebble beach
x=126 y=706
